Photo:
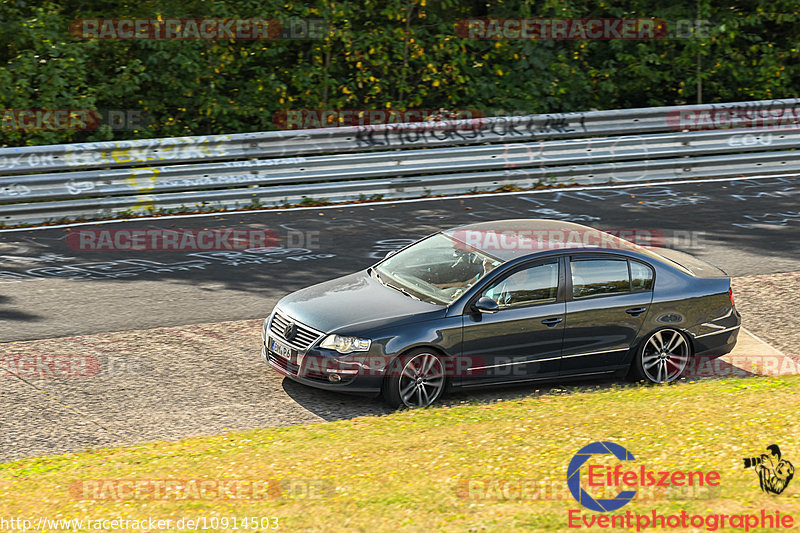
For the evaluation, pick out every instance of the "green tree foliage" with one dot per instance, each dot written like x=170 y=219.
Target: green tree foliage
x=382 y=54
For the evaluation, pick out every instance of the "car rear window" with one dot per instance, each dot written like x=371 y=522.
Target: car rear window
x=641 y=276
x=599 y=277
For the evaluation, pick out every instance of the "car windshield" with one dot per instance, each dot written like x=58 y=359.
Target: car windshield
x=438 y=269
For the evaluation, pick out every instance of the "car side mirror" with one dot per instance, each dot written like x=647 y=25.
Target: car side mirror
x=486 y=305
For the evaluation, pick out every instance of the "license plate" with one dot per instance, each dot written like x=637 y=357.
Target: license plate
x=281 y=349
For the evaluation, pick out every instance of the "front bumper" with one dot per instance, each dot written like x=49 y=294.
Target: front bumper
x=314 y=368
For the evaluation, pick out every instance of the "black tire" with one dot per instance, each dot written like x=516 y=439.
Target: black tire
x=414 y=380
x=662 y=357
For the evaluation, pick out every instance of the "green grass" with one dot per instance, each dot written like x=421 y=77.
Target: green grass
x=402 y=472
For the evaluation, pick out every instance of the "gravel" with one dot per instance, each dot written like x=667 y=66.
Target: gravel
x=169 y=383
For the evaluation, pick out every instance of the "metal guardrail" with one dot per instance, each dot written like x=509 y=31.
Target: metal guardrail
x=93 y=180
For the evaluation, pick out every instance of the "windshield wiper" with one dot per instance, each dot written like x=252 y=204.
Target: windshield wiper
x=395 y=287
x=374 y=273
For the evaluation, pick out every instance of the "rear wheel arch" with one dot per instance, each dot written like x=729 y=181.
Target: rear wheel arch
x=685 y=331
x=637 y=372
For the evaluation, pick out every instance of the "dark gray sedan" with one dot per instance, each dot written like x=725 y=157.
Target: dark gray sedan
x=503 y=302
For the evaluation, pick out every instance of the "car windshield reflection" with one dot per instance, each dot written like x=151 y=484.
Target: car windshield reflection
x=438 y=269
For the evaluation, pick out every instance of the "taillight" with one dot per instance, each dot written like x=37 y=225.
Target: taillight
x=730 y=294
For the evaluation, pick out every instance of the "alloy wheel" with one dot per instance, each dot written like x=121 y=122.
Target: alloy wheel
x=421 y=380
x=665 y=356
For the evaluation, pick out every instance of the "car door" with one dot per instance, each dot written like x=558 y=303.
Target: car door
x=522 y=339
x=605 y=311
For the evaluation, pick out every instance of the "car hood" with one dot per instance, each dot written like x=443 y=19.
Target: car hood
x=353 y=303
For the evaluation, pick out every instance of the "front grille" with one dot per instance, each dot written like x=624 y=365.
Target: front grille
x=305 y=337
x=282 y=363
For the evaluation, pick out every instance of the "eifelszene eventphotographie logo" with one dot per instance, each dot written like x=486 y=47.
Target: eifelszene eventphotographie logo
x=774 y=472
x=603 y=477
x=574 y=477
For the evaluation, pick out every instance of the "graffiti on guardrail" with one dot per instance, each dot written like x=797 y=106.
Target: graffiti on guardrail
x=79 y=187
x=147 y=179
x=15 y=189
x=264 y=162
x=592 y=149
x=748 y=139
x=209 y=181
x=26 y=161
x=468 y=131
x=102 y=153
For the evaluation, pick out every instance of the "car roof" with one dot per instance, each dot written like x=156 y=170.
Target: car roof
x=513 y=238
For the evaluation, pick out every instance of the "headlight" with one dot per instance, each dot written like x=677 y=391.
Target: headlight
x=264 y=329
x=345 y=344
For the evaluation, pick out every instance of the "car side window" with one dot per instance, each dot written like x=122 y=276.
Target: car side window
x=529 y=286
x=641 y=276
x=599 y=277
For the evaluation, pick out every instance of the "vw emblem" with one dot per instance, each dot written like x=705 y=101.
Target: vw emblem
x=290 y=331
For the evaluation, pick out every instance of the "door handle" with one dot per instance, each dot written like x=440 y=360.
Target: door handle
x=636 y=311
x=551 y=322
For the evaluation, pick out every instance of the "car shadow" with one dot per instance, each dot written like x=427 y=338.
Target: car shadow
x=334 y=405
x=331 y=406
x=502 y=393
x=15 y=314
x=714 y=368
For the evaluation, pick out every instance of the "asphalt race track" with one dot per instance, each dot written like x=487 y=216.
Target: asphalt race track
x=746 y=227
x=199 y=371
